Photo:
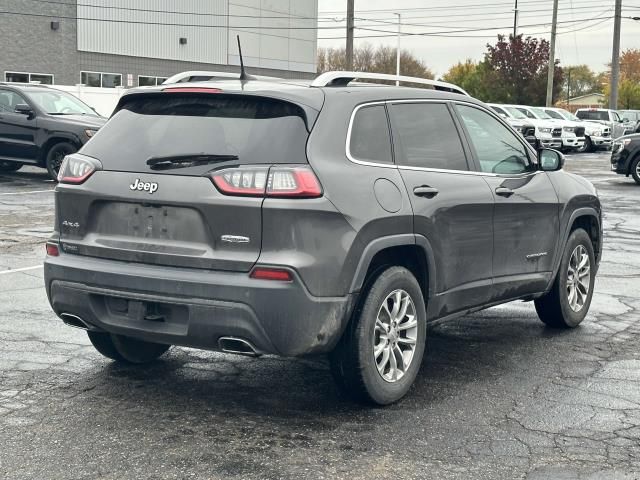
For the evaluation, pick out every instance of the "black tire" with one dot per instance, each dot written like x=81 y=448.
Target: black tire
x=353 y=363
x=583 y=148
x=588 y=146
x=55 y=155
x=635 y=169
x=554 y=308
x=126 y=349
x=6 y=166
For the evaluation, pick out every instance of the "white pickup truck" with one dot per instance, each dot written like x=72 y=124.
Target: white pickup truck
x=606 y=117
x=571 y=134
x=548 y=134
x=596 y=135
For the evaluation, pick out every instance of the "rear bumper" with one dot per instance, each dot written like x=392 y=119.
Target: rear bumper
x=195 y=307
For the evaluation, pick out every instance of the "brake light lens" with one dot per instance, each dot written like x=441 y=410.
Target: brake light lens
x=76 y=169
x=191 y=90
x=53 y=250
x=290 y=181
x=265 y=273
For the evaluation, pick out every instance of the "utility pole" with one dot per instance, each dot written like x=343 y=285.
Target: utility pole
x=515 y=20
x=398 y=51
x=615 y=57
x=349 y=51
x=552 y=54
x=568 y=87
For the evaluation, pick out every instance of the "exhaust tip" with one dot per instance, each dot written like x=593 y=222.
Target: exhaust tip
x=75 y=321
x=239 y=346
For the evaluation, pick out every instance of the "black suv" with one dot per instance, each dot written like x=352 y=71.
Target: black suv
x=40 y=125
x=292 y=219
x=625 y=156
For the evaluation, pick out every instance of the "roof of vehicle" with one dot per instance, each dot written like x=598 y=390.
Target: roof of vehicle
x=300 y=91
x=24 y=86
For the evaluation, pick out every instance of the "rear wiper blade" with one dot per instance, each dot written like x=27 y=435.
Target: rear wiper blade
x=187 y=160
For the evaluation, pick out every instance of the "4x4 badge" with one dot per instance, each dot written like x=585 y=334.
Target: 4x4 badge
x=144 y=186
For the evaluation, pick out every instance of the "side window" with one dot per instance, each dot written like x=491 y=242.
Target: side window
x=9 y=100
x=497 y=148
x=526 y=112
x=426 y=136
x=370 y=140
x=498 y=110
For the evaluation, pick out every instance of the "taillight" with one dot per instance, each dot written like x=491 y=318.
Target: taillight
x=267 y=273
x=191 y=90
x=53 y=250
x=289 y=181
x=76 y=169
x=241 y=181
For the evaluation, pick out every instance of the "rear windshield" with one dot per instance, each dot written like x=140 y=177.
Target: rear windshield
x=593 y=115
x=217 y=129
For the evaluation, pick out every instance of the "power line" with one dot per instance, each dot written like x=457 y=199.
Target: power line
x=451 y=34
x=592 y=10
x=460 y=7
x=474 y=29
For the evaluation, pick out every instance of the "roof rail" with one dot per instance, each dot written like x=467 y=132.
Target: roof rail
x=203 y=76
x=339 y=78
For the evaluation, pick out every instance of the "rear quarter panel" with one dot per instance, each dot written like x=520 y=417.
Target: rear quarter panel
x=349 y=187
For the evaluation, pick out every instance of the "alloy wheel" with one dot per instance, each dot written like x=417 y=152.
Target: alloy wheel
x=395 y=335
x=578 y=278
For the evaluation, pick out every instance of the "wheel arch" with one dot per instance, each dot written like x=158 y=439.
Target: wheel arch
x=411 y=251
x=54 y=140
x=634 y=156
x=588 y=219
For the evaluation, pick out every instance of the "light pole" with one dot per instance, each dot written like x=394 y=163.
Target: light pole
x=398 y=51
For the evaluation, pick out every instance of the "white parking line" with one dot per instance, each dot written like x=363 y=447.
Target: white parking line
x=15 y=270
x=27 y=193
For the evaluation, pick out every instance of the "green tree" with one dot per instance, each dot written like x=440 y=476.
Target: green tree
x=464 y=75
x=628 y=95
x=579 y=80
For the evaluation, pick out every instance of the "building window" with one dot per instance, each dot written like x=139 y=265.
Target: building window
x=99 y=79
x=148 y=81
x=25 y=77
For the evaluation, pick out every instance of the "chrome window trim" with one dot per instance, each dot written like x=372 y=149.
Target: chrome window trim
x=348 y=141
x=421 y=169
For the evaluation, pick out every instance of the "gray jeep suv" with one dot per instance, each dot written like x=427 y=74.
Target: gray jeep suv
x=288 y=218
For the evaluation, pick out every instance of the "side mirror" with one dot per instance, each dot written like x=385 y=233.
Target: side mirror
x=23 y=108
x=625 y=120
x=550 y=160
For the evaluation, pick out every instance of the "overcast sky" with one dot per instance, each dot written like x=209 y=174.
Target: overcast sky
x=585 y=27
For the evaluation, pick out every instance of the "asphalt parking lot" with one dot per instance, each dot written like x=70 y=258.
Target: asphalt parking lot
x=499 y=396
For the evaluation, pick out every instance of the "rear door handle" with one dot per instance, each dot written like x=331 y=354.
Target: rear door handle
x=425 y=191
x=504 y=191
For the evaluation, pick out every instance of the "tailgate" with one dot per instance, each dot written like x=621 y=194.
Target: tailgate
x=185 y=222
